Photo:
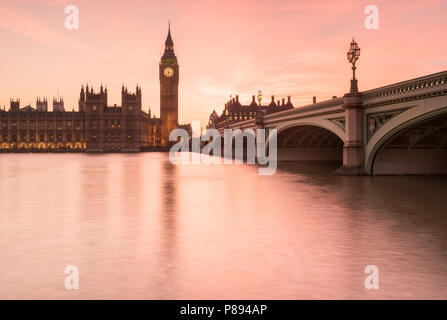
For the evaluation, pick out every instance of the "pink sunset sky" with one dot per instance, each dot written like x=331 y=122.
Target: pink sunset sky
x=295 y=48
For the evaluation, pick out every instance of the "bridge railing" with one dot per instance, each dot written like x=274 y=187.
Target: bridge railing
x=327 y=104
x=418 y=88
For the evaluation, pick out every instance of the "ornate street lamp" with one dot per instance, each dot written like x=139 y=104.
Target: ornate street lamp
x=259 y=97
x=353 y=56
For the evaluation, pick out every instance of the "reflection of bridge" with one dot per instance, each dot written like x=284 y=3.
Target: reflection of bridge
x=396 y=129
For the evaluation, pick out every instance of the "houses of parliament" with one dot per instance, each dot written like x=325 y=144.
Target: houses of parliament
x=96 y=127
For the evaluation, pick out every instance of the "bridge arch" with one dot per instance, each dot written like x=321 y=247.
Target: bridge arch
x=412 y=142
x=304 y=140
x=324 y=124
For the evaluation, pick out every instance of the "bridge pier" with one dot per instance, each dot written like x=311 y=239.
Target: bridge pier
x=353 y=149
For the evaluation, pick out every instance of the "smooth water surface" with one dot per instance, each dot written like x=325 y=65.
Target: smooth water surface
x=139 y=227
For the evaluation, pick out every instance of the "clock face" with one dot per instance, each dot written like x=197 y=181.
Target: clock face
x=168 y=72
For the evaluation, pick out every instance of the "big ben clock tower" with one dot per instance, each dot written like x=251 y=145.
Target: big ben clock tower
x=169 y=76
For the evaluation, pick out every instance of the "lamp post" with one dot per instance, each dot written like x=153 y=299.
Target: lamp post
x=354 y=147
x=259 y=116
x=353 y=56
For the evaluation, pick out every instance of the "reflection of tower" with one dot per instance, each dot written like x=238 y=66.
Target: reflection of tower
x=169 y=229
x=169 y=76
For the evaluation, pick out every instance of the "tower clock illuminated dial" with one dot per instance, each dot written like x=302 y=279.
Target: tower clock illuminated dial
x=168 y=72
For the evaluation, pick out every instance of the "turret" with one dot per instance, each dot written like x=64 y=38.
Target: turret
x=82 y=94
x=272 y=104
x=236 y=100
x=58 y=104
x=131 y=102
x=253 y=101
x=42 y=105
x=14 y=104
x=94 y=102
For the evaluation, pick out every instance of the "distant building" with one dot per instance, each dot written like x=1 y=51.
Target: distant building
x=125 y=128
x=96 y=127
x=235 y=112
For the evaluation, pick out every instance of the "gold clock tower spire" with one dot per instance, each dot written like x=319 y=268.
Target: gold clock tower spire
x=169 y=76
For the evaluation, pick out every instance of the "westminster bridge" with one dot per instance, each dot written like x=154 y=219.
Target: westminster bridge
x=396 y=129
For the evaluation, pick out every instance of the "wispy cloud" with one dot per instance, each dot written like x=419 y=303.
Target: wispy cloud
x=19 y=22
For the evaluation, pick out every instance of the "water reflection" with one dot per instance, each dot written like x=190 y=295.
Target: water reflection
x=168 y=233
x=139 y=227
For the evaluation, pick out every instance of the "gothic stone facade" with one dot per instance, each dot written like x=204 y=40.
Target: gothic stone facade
x=235 y=112
x=96 y=127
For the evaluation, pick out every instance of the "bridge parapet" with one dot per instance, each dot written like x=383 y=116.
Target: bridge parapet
x=337 y=102
x=414 y=89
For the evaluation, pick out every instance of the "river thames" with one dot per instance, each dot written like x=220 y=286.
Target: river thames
x=139 y=227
